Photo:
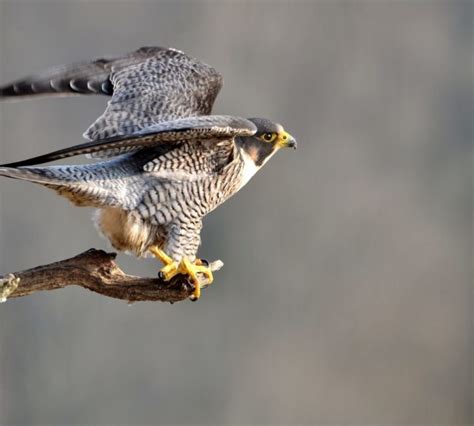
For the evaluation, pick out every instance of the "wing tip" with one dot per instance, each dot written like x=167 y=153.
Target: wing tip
x=7 y=91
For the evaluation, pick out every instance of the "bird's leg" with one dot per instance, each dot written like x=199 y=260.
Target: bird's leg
x=171 y=267
x=160 y=254
x=185 y=267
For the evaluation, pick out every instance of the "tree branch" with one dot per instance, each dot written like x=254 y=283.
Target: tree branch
x=97 y=271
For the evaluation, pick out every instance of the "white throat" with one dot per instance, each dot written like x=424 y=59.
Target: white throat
x=250 y=168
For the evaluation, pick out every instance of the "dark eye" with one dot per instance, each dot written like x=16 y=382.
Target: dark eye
x=268 y=137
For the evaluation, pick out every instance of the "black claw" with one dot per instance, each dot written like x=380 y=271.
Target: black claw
x=161 y=276
x=205 y=262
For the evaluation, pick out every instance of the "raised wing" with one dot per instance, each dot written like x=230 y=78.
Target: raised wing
x=213 y=127
x=148 y=86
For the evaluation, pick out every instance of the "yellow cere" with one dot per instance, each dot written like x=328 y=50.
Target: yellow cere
x=283 y=138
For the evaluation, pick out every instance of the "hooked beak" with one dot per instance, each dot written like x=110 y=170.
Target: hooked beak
x=292 y=143
x=285 y=140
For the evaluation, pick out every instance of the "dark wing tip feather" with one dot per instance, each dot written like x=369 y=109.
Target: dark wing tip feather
x=25 y=87
x=7 y=91
x=52 y=156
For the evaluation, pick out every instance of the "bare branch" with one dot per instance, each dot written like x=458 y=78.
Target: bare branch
x=97 y=271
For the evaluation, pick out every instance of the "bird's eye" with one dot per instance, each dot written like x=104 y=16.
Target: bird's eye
x=268 y=137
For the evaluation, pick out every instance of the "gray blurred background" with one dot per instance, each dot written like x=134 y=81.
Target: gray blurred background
x=346 y=289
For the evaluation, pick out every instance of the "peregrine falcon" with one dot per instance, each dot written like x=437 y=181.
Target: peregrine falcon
x=163 y=161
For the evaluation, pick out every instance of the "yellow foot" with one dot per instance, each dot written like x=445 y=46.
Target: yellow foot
x=185 y=267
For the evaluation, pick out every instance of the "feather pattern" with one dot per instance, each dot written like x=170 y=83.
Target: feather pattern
x=148 y=86
x=213 y=127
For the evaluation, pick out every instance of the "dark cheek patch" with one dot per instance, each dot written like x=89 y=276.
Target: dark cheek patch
x=263 y=152
x=258 y=151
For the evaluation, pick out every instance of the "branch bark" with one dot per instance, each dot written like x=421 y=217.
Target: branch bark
x=97 y=271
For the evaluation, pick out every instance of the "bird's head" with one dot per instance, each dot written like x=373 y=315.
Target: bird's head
x=267 y=140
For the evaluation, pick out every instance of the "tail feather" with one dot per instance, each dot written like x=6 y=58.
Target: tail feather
x=66 y=183
x=42 y=175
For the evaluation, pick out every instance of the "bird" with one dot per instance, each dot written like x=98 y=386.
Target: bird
x=161 y=161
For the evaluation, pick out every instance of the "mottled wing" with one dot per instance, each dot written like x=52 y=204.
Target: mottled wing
x=148 y=86
x=164 y=87
x=84 y=78
x=213 y=128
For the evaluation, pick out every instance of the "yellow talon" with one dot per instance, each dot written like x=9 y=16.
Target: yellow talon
x=185 y=267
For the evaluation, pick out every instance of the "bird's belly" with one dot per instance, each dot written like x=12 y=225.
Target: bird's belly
x=172 y=201
x=127 y=232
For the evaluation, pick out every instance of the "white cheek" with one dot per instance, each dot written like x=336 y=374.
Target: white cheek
x=249 y=169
